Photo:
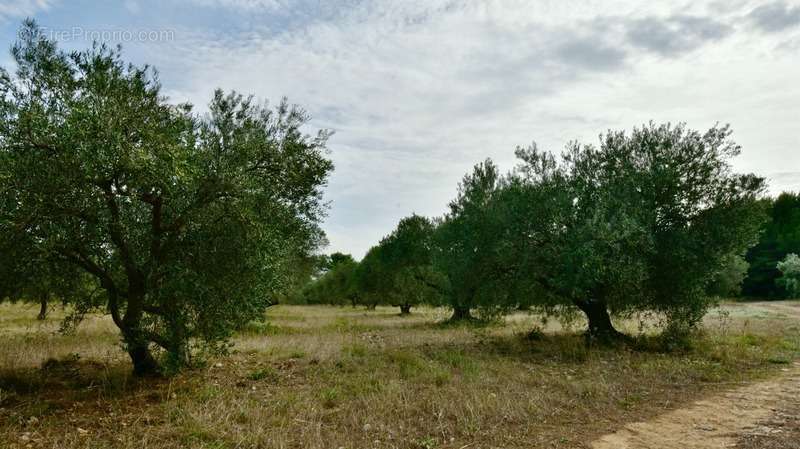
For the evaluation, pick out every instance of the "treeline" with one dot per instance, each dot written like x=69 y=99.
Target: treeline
x=652 y=221
x=779 y=240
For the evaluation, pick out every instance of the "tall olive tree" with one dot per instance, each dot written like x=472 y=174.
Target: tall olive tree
x=644 y=222
x=185 y=221
x=409 y=254
x=372 y=278
x=465 y=244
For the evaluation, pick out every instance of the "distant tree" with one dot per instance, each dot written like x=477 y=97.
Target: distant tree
x=465 y=244
x=340 y=258
x=780 y=236
x=187 y=223
x=304 y=270
x=642 y=223
x=337 y=283
x=410 y=254
x=372 y=279
x=28 y=275
x=405 y=258
x=727 y=282
x=790 y=275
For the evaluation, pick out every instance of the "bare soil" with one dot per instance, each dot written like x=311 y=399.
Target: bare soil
x=759 y=415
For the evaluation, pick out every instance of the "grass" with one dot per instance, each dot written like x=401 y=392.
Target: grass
x=321 y=377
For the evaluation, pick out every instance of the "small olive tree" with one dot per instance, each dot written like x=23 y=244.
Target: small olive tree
x=336 y=286
x=404 y=260
x=186 y=222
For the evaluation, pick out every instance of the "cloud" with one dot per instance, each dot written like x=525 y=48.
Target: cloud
x=674 y=35
x=133 y=6
x=419 y=91
x=590 y=53
x=242 y=4
x=775 y=16
x=784 y=182
x=12 y=9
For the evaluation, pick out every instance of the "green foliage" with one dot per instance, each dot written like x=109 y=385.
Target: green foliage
x=305 y=269
x=644 y=223
x=790 y=275
x=652 y=221
x=188 y=224
x=336 y=285
x=727 y=282
x=780 y=236
x=467 y=241
x=399 y=270
x=267 y=373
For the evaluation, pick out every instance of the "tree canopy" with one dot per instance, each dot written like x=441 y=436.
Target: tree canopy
x=790 y=275
x=399 y=271
x=780 y=237
x=654 y=221
x=185 y=221
x=644 y=221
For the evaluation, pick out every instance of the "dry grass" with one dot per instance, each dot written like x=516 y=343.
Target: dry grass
x=324 y=377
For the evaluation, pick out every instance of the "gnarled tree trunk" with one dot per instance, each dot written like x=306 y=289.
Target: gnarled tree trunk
x=138 y=346
x=405 y=309
x=461 y=313
x=600 y=327
x=143 y=362
x=42 y=308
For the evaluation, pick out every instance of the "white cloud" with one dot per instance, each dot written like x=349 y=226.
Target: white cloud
x=242 y=4
x=420 y=91
x=13 y=9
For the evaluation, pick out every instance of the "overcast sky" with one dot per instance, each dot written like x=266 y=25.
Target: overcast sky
x=419 y=91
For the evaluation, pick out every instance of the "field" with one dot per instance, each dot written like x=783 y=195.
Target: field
x=326 y=377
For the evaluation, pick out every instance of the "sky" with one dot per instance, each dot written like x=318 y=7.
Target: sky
x=417 y=92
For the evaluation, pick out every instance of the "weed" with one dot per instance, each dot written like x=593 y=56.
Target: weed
x=267 y=373
x=329 y=397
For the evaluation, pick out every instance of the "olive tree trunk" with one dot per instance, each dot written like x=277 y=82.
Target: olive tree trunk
x=42 y=308
x=461 y=313
x=600 y=327
x=143 y=362
x=136 y=341
x=405 y=309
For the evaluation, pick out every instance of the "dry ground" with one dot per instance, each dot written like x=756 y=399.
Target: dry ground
x=325 y=377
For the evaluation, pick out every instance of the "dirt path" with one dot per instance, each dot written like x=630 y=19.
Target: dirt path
x=713 y=423
x=720 y=421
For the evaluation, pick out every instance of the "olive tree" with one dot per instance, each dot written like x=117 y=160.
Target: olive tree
x=641 y=223
x=728 y=280
x=402 y=262
x=185 y=221
x=790 y=275
x=780 y=237
x=28 y=275
x=336 y=285
x=372 y=279
x=465 y=244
